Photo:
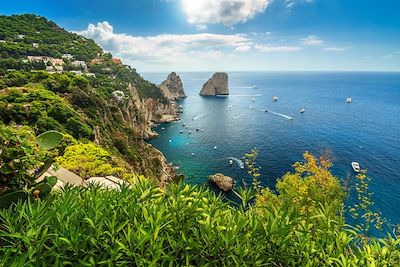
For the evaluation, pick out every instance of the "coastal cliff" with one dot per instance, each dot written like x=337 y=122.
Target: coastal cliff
x=216 y=85
x=83 y=92
x=172 y=87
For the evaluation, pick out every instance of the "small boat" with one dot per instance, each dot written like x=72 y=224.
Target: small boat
x=265 y=110
x=190 y=132
x=183 y=125
x=186 y=127
x=355 y=166
x=253 y=99
x=302 y=110
x=169 y=141
x=230 y=162
x=215 y=147
x=180 y=106
x=275 y=98
x=181 y=131
x=192 y=154
x=202 y=130
x=197 y=129
x=254 y=87
x=162 y=128
x=348 y=100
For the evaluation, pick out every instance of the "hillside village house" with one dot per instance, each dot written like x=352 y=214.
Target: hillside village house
x=117 y=61
x=35 y=45
x=67 y=56
x=79 y=63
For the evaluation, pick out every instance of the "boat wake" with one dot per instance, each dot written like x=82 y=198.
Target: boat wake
x=256 y=95
x=237 y=117
x=238 y=161
x=282 y=115
x=199 y=117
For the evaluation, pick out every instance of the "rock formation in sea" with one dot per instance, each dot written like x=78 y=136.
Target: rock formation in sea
x=172 y=87
x=225 y=183
x=216 y=85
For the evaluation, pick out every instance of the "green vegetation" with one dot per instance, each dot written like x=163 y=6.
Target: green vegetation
x=24 y=158
x=182 y=225
x=89 y=160
x=21 y=31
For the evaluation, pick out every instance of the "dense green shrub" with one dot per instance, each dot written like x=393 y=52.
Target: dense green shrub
x=179 y=226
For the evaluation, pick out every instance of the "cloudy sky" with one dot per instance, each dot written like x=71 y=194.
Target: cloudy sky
x=228 y=35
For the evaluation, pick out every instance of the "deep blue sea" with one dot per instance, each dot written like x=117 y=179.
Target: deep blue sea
x=367 y=131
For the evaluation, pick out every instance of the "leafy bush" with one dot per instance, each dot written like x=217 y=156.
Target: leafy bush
x=89 y=160
x=182 y=225
x=24 y=158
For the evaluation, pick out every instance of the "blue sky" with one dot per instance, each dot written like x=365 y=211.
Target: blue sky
x=192 y=35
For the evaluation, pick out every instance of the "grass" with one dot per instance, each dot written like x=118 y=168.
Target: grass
x=181 y=225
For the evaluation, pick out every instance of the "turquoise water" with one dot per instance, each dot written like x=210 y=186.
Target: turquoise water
x=367 y=131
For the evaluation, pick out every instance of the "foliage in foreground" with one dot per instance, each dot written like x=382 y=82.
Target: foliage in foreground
x=181 y=225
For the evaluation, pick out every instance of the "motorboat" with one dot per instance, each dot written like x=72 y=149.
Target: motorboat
x=302 y=110
x=190 y=132
x=230 y=162
x=253 y=99
x=181 y=131
x=348 y=100
x=162 y=128
x=197 y=129
x=265 y=110
x=192 y=154
x=275 y=98
x=254 y=87
x=355 y=166
x=169 y=141
x=215 y=147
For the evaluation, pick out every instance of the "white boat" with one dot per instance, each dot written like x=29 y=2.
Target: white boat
x=169 y=141
x=181 y=131
x=215 y=147
x=275 y=98
x=230 y=162
x=355 y=166
x=162 y=128
x=192 y=154
x=348 y=100
x=190 y=132
x=302 y=110
x=254 y=87
x=253 y=99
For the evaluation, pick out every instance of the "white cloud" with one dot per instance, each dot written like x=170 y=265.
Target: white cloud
x=227 y=12
x=336 y=49
x=388 y=56
x=312 y=40
x=165 y=47
x=243 y=48
x=289 y=4
x=271 y=49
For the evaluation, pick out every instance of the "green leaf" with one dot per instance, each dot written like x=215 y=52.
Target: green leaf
x=13 y=197
x=49 y=140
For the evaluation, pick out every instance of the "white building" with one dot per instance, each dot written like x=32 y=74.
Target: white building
x=67 y=56
x=79 y=63
x=35 y=45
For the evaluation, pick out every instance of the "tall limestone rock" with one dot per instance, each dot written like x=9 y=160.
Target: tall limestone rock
x=216 y=85
x=172 y=87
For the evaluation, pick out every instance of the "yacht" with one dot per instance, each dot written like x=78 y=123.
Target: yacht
x=275 y=98
x=355 y=166
x=348 y=100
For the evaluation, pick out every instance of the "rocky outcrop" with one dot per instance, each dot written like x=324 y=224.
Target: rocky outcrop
x=172 y=87
x=225 y=183
x=216 y=85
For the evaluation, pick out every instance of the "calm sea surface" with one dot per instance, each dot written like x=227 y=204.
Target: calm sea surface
x=367 y=131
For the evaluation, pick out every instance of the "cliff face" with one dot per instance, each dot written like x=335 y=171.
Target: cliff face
x=216 y=85
x=172 y=87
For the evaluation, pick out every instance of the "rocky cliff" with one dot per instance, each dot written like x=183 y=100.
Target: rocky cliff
x=172 y=87
x=216 y=85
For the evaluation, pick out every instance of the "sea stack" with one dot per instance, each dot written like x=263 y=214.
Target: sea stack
x=216 y=85
x=172 y=87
